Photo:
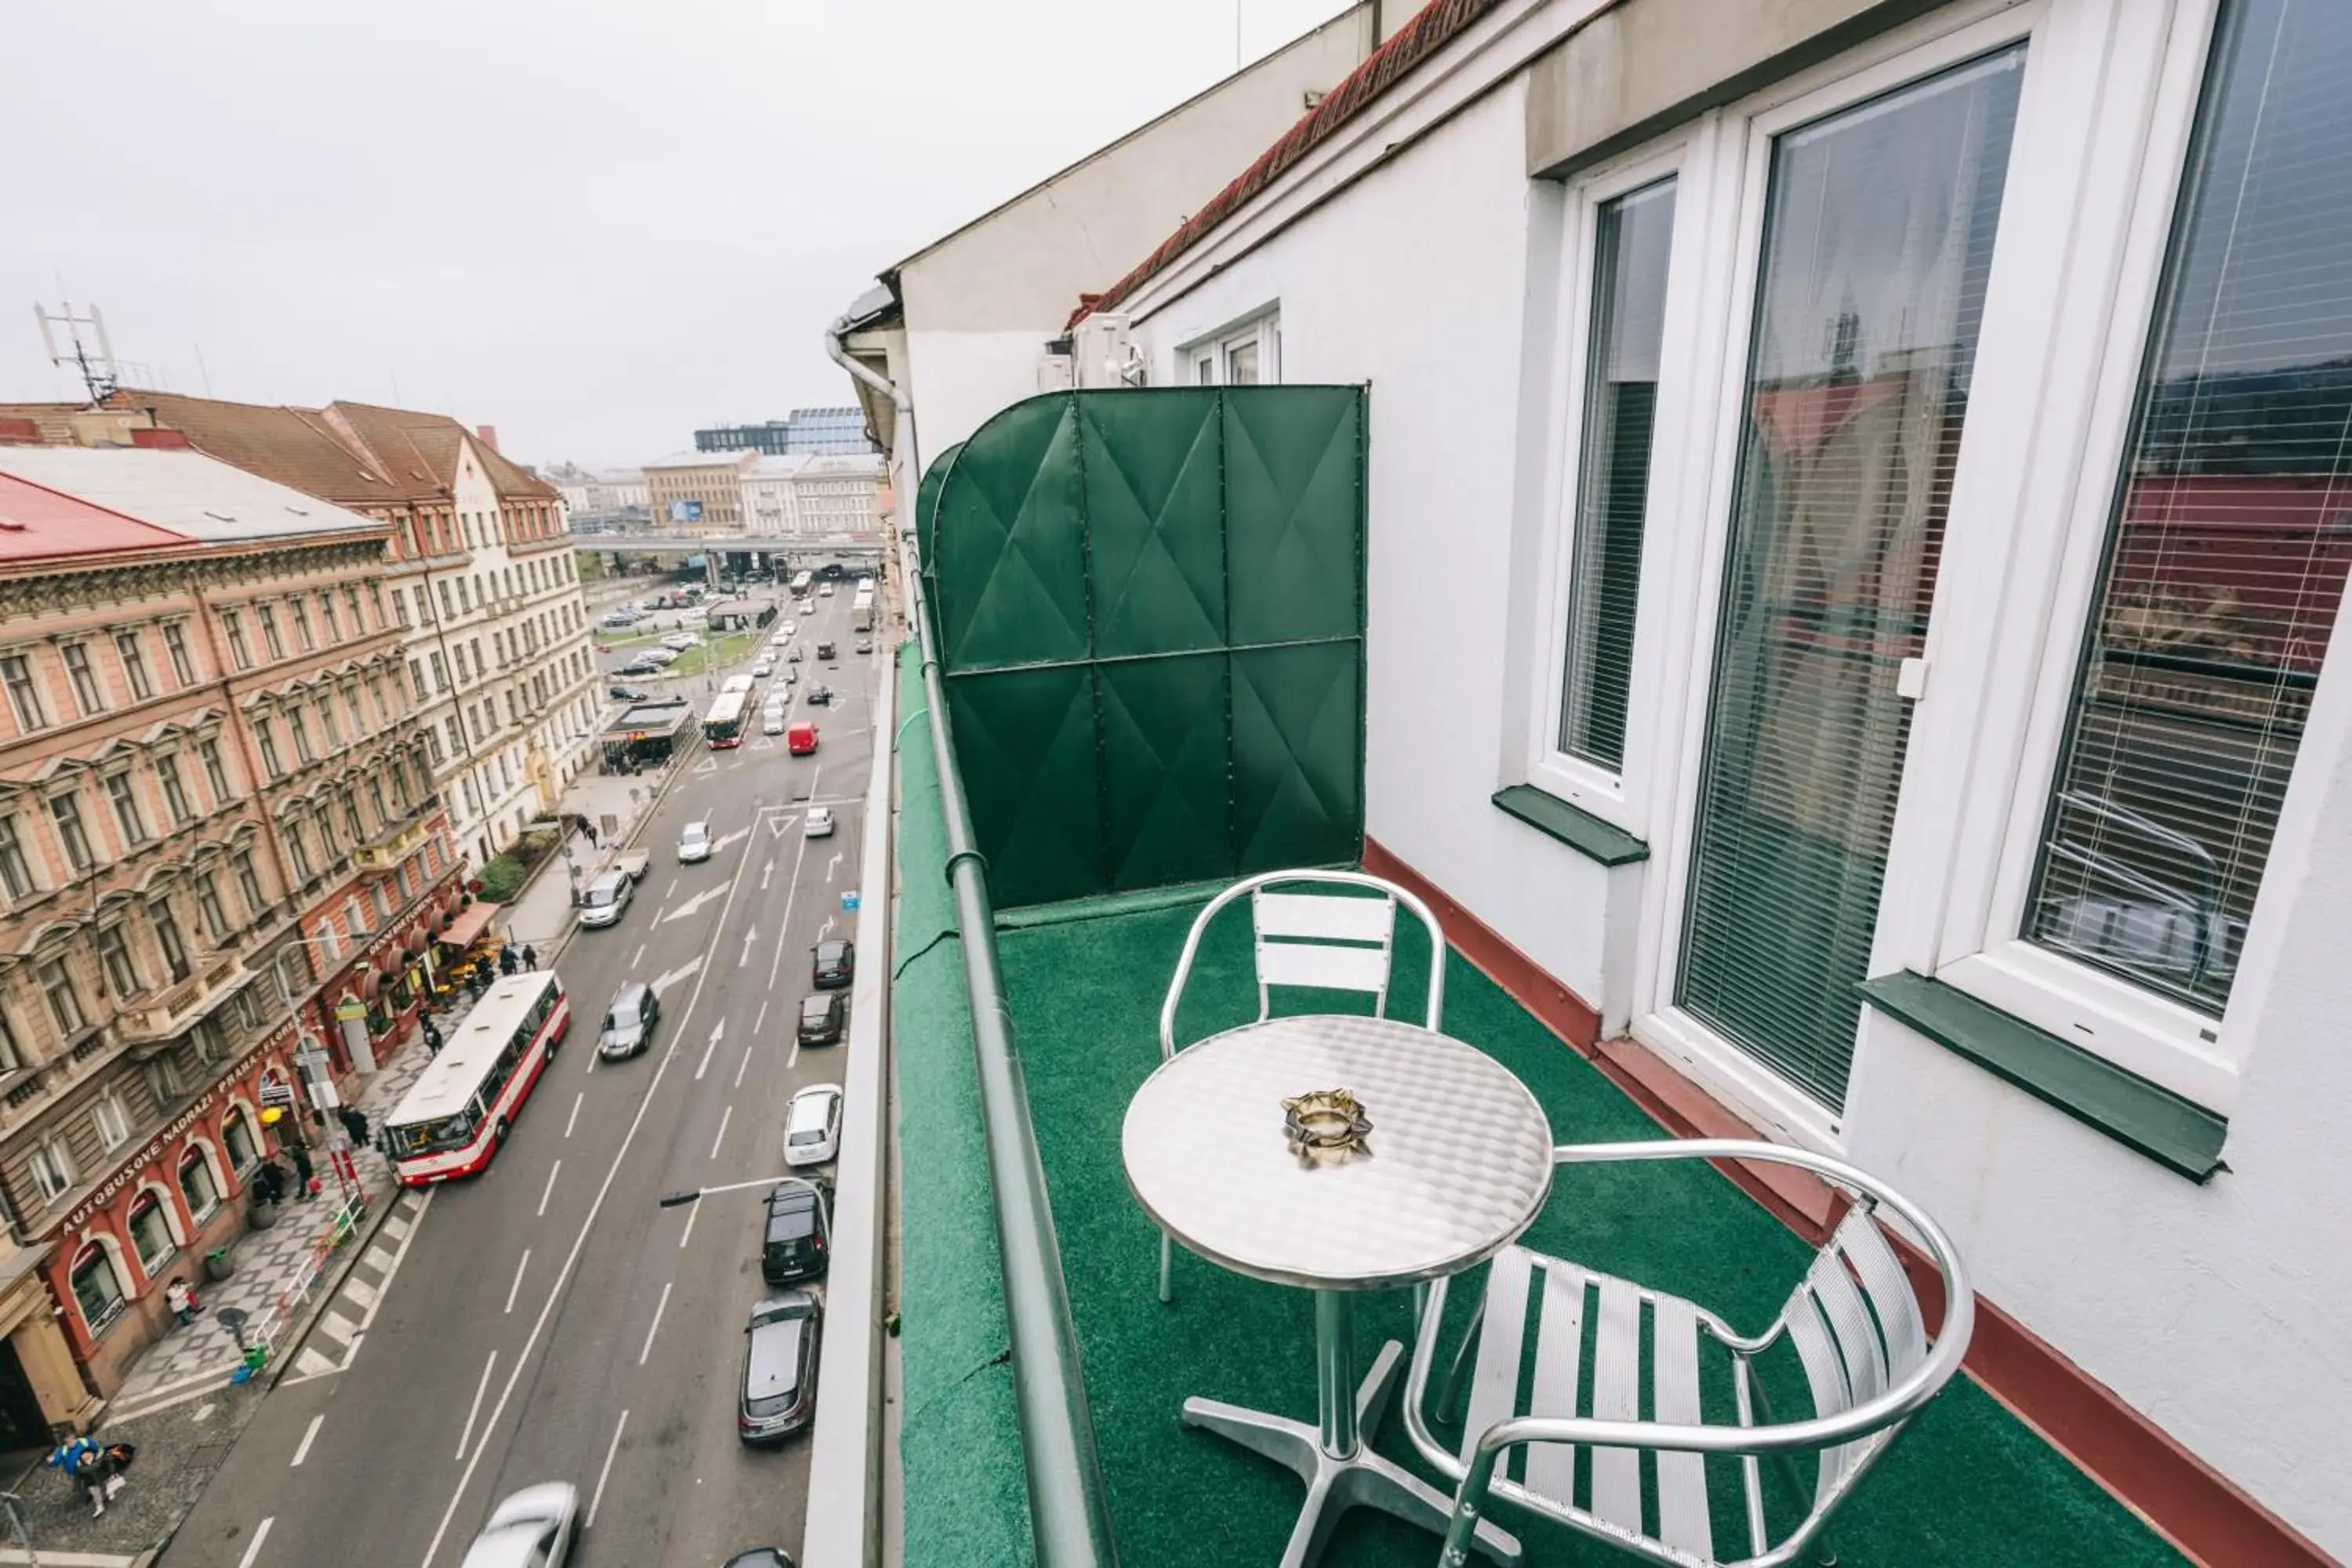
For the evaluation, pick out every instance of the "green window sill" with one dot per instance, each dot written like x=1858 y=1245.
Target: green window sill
x=2176 y=1134
x=1579 y=829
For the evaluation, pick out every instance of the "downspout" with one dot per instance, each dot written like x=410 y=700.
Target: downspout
x=1069 y=1517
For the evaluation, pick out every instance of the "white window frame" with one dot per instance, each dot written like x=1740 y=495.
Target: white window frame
x=1623 y=796
x=1721 y=209
x=1261 y=328
x=1980 y=951
x=52 y=1169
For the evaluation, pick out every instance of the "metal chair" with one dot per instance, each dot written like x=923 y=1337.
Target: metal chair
x=1326 y=942
x=1854 y=1323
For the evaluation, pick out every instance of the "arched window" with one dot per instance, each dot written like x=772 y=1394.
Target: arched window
x=151 y=1231
x=243 y=1148
x=96 y=1287
x=197 y=1183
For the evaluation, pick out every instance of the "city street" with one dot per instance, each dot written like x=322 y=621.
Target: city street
x=547 y=1320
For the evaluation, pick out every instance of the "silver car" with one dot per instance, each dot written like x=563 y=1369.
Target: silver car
x=536 y=1528
x=694 y=843
x=606 y=898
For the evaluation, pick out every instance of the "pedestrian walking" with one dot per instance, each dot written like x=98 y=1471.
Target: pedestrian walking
x=301 y=1158
x=182 y=1301
x=355 y=1125
x=507 y=959
x=530 y=958
x=269 y=1181
x=431 y=1037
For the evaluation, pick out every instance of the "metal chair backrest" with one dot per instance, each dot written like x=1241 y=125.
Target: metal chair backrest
x=1327 y=940
x=1857 y=1329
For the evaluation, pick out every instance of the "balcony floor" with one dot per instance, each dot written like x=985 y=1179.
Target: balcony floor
x=1967 y=1484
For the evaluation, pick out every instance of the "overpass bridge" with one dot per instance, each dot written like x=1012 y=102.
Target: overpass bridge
x=666 y=541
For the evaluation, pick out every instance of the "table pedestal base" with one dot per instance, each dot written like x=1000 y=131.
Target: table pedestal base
x=1335 y=1485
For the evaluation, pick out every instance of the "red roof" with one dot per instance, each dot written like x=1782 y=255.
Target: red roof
x=1435 y=25
x=37 y=523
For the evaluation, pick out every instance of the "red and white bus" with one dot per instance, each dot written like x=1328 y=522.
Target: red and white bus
x=456 y=1113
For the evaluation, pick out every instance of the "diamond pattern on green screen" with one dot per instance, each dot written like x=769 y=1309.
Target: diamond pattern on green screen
x=927 y=501
x=1109 y=568
x=1166 y=811
x=1155 y=521
x=1026 y=742
x=1012 y=572
x=1294 y=509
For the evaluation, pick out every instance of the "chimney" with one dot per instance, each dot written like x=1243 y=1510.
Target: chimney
x=489 y=434
x=161 y=440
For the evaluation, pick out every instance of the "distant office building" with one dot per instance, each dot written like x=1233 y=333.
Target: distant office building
x=698 y=493
x=813 y=495
x=815 y=432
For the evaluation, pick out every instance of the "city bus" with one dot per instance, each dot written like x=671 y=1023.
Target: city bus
x=723 y=725
x=456 y=1113
x=801 y=582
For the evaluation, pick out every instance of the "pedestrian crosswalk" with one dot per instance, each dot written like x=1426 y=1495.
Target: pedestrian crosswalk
x=336 y=1337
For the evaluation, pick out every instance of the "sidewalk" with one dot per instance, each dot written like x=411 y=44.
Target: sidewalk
x=541 y=916
x=179 y=1404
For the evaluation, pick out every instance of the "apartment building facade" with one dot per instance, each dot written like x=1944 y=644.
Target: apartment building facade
x=813 y=495
x=698 y=493
x=477 y=568
x=222 y=858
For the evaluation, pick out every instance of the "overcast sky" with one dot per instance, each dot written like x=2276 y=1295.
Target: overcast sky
x=596 y=226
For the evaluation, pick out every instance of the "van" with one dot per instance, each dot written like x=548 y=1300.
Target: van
x=801 y=739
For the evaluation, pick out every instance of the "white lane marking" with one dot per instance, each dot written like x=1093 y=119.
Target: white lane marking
x=792 y=891
x=571 y=1259
x=302 y=1449
x=598 y=1495
x=670 y=891
x=521 y=1264
x=361 y=1293
x=383 y=1286
x=707 y=896
x=571 y=1119
x=725 y=1116
x=335 y=1326
x=308 y=1366
x=831 y=867
x=640 y=957
x=253 y=1549
x=793 y=1056
x=724 y=839
x=825 y=929
x=766 y=871
x=654 y=1327
x=761 y=1019
x=551 y=1188
x=687 y=1234
x=751 y=935
x=717 y=1030
x=747 y=1064
x=475 y=1409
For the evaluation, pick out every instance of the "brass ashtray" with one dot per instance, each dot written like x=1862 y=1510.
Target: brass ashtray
x=1327 y=1121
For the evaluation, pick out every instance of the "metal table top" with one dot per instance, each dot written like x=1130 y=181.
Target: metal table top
x=1460 y=1157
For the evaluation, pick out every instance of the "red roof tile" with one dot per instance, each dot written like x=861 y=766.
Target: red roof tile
x=37 y=523
x=1436 y=25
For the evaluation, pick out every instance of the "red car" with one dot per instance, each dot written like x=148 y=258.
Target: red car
x=801 y=739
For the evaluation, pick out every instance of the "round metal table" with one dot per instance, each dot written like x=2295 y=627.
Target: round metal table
x=1458 y=1164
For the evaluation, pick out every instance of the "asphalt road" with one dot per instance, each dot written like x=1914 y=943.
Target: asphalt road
x=548 y=1321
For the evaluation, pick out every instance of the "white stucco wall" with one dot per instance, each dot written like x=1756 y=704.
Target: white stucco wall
x=2215 y=1310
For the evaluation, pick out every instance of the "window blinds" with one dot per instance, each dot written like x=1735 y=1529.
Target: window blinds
x=2232 y=528
x=1878 y=236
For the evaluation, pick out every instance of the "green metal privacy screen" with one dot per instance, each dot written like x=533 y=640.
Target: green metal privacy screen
x=1150 y=610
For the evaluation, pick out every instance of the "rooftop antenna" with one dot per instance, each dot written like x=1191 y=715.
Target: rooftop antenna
x=95 y=363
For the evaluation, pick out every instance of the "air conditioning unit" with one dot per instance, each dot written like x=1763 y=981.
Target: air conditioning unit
x=1056 y=371
x=1106 y=354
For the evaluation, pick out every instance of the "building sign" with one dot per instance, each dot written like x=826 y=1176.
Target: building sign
x=349 y=1010
x=685 y=511
x=131 y=1168
x=275 y=1090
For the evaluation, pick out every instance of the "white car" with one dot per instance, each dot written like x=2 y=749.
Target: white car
x=820 y=822
x=536 y=1528
x=762 y=668
x=806 y=607
x=681 y=641
x=771 y=721
x=785 y=633
x=605 y=899
x=694 y=843
x=664 y=657
x=826 y=592
x=812 y=1125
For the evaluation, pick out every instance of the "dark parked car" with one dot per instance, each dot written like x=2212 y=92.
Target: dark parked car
x=625 y=694
x=823 y=1014
x=799 y=1230
x=820 y=696
x=629 y=1022
x=836 y=966
x=795 y=654
x=779 y=1367
x=825 y=650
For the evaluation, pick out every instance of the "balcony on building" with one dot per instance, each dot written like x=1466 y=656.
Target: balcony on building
x=157 y=1022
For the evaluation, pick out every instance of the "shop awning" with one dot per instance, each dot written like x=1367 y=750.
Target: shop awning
x=469 y=922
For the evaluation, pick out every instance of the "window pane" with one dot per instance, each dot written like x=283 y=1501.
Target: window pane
x=2227 y=553
x=1621 y=395
x=1878 y=235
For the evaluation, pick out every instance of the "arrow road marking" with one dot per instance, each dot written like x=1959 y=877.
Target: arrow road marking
x=717 y=1030
x=767 y=871
x=831 y=867
x=707 y=896
x=683 y=972
x=748 y=935
x=725 y=839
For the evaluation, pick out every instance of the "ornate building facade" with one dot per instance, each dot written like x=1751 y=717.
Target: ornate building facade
x=218 y=830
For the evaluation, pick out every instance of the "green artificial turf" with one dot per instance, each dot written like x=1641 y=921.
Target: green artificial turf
x=1967 y=1484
